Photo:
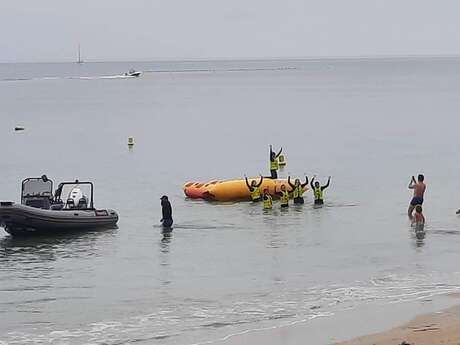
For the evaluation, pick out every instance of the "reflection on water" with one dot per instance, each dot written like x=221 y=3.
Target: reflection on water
x=17 y=253
x=166 y=240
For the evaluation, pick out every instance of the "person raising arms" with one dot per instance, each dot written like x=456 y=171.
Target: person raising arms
x=274 y=164
x=298 y=189
x=318 y=190
x=254 y=188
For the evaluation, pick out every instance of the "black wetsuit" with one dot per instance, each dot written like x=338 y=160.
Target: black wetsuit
x=319 y=201
x=167 y=213
x=298 y=200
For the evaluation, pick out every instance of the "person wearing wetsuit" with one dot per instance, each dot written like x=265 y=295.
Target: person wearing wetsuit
x=318 y=190
x=298 y=189
x=267 y=200
x=284 y=196
x=254 y=189
x=166 y=210
x=274 y=164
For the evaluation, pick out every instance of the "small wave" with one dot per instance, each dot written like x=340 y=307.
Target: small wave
x=238 y=314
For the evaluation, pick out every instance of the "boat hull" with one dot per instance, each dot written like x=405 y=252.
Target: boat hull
x=20 y=220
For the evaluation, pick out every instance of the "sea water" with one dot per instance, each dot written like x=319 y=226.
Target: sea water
x=227 y=268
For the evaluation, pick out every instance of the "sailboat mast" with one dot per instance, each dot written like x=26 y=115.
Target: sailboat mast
x=79 y=54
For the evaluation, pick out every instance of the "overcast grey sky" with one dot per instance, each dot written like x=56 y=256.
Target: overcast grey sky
x=49 y=30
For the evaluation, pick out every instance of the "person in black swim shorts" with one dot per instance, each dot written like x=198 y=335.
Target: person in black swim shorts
x=419 y=188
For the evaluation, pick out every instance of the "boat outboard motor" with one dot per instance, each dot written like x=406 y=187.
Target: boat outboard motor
x=75 y=194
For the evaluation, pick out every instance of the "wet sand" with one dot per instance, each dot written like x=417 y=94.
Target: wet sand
x=430 y=329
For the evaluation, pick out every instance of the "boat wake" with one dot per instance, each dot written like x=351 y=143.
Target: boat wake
x=174 y=70
x=97 y=77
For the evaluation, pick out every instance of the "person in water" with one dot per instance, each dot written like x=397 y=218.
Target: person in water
x=284 y=196
x=274 y=164
x=419 y=218
x=166 y=209
x=254 y=188
x=419 y=188
x=318 y=191
x=298 y=189
x=267 y=199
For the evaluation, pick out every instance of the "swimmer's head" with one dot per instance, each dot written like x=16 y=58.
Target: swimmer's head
x=418 y=209
x=297 y=182
x=317 y=184
x=420 y=178
x=283 y=187
x=273 y=155
x=253 y=183
x=266 y=191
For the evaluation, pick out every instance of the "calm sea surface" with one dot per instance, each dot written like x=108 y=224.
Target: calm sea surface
x=227 y=268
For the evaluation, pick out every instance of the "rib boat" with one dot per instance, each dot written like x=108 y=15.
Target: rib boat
x=42 y=212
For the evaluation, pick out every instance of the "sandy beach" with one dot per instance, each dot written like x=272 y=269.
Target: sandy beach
x=430 y=329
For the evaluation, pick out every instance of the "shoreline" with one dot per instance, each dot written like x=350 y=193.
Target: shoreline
x=372 y=324
x=442 y=327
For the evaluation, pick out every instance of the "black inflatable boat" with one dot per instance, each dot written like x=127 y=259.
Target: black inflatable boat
x=41 y=212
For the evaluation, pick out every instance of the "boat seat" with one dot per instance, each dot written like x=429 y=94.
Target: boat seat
x=70 y=203
x=82 y=203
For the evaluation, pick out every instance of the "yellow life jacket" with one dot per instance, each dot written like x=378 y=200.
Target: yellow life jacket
x=297 y=192
x=274 y=165
x=318 y=193
x=284 y=198
x=281 y=161
x=268 y=202
x=255 y=193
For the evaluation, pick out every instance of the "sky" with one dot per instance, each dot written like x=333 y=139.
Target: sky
x=120 y=30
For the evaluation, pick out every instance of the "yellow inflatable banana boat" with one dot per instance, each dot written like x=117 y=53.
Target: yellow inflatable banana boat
x=231 y=190
x=236 y=190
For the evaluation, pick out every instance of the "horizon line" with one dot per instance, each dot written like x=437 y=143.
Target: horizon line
x=217 y=59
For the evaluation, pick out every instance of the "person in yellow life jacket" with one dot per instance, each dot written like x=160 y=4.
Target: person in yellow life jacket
x=318 y=190
x=298 y=189
x=254 y=188
x=274 y=164
x=267 y=199
x=284 y=196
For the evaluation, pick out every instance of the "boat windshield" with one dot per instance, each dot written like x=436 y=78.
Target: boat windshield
x=37 y=187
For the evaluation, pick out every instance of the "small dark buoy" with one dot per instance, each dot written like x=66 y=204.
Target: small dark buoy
x=19 y=128
x=130 y=141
